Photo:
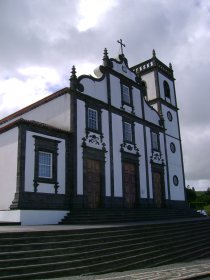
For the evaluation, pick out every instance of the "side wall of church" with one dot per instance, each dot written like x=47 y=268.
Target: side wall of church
x=8 y=167
x=55 y=113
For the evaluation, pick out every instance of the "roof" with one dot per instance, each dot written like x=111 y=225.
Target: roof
x=33 y=124
x=34 y=105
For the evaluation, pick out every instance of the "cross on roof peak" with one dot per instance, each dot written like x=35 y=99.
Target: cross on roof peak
x=121 y=45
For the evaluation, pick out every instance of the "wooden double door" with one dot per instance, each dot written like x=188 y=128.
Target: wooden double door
x=92 y=183
x=158 y=189
x=129 y=183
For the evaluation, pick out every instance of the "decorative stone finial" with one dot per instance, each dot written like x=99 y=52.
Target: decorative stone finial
x=73 y=78
x=170 y=65
x=73 y=72
x=105 y=54
x=106 y=60
x=153 y=53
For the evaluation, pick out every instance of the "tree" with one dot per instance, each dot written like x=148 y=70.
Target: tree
x=190 y=194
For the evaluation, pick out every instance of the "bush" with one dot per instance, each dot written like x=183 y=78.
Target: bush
x=207 y=209
x=190 y=194
x=197 y=205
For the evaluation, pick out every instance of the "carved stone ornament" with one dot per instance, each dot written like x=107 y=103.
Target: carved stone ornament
x=129 y=148
x=157 y=157
x=94 y=140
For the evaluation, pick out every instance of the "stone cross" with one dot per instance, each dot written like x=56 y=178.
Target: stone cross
x=121 y=45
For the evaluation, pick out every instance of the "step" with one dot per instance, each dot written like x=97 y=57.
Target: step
x=39 y=255
x=67 y=239
x=94 y=216
x=97 y=249
x=116 y=257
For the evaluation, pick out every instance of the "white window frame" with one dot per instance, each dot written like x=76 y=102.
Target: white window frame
x=92 y=121
x=45 y=166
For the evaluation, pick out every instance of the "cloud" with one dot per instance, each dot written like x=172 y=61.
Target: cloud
x=41 y=40
x=29 y=85
x=91 y=12
x=196 y=169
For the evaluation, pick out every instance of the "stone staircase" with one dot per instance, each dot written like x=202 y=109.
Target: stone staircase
x=97 y=250
x=103 y=216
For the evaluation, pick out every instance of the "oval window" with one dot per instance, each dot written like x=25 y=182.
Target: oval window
x=175 y=180
x=169 y=115
x=173 y=147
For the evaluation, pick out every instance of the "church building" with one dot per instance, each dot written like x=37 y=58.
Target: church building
x=108 y=141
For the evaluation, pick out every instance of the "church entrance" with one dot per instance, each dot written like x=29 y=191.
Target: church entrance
x=129 y=182
x=158 y=189
x=92 y=183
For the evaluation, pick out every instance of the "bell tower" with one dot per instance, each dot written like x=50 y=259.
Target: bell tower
x=159 y=91
x=158 y=82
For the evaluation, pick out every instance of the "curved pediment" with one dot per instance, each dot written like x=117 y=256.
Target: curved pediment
x=94 y=86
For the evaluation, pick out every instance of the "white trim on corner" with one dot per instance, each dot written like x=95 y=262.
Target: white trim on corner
x=33 y=217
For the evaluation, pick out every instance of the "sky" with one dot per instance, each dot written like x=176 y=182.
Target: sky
x=40 y=41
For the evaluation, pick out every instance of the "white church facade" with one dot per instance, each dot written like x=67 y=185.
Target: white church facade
x=109 y=141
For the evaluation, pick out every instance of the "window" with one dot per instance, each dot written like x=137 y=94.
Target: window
x=173 y=147
x=45 y=165
x=127 y=131
x=155 y=141
x=175 y=180
x=169 y=116
x=126 y=95
x=92 y=119
x=166 y=90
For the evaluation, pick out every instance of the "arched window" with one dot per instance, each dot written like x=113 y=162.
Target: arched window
x=144 y=89
x=166 y=90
